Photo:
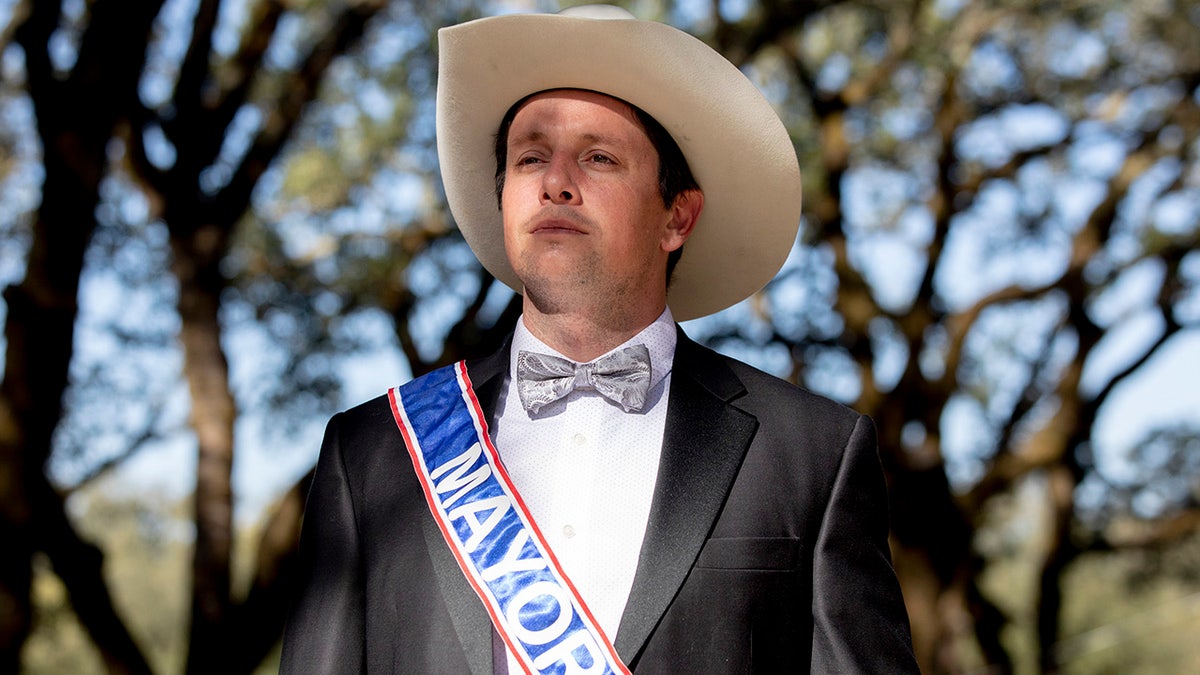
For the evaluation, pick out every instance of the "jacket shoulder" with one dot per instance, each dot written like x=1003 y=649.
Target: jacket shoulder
x=748 y=387
x=370 y=412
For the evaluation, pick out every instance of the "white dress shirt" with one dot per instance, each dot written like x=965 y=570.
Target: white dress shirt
x=586 y=469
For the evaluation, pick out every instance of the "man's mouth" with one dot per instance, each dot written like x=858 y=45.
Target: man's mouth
x=557 y=226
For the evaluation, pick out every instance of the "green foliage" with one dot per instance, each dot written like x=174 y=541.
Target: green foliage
x=312 y=177
x=1125 y=611
x=147 y=544
x=1119 y=620
x=58 y=644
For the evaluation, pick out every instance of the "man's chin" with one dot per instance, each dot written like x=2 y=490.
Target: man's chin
x=556 y=265
x=555 y=289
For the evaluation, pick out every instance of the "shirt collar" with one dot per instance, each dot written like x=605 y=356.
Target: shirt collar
x=659 y=338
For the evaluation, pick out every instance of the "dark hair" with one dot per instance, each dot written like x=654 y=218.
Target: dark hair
x=674 y=174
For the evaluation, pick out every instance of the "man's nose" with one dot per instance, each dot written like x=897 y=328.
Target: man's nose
x=558 y=182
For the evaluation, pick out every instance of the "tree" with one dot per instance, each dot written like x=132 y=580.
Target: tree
x=934 y=129
x=90 y=112
x=41 y=317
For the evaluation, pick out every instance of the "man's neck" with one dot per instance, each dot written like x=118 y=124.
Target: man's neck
x=585 y=336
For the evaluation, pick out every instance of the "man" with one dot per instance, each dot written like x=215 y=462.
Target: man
x=660 y=508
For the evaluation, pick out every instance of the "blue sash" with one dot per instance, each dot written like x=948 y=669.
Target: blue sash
x=533 y=605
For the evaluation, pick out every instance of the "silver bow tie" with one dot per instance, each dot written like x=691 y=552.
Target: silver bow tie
x=623 y=377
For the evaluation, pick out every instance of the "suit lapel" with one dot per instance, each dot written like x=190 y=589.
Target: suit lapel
x=471 y=622
x=704 y=443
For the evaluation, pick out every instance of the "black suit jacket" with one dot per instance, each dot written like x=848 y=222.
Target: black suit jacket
x=766 y=548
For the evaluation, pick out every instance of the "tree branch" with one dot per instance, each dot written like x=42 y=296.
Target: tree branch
x=739 y=42
x=1150 y=534
x=80 y=566
x=958 y=326
x=196 y=139
x=136 y=444
x=1171 y=328
x=259 y=620
x=282 y=117
x=248 y=61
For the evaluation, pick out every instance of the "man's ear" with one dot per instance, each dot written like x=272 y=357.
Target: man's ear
x=685 y=211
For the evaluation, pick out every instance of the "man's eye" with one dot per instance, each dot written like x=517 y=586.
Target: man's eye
x=600 y=159
x=527 y=160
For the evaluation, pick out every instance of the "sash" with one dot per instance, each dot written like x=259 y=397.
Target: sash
x=533 y=605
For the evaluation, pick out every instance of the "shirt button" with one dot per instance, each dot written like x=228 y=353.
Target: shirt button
x=579 y=439
x=568 y=531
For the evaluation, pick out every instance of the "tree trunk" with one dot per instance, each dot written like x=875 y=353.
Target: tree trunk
x=80 y=565
x=40 y=330
x=197 y=255
x=931 y=546
x=260 y=619
x=15 y=519
x=41 y=310
x=1061 y=552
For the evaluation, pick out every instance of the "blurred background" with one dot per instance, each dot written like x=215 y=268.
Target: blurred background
x=221 y=221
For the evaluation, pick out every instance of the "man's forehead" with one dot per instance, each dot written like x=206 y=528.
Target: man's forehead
x=598 y=99
x=577 y=94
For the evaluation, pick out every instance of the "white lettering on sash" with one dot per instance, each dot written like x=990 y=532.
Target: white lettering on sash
x=457 y=468
x=496 y=508
x=511 y=562
x=564 y=652
x=541 y=636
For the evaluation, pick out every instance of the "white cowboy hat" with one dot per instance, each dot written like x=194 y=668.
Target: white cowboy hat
x=734 y=142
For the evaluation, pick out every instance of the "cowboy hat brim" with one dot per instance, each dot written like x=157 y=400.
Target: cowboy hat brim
x=735 y=144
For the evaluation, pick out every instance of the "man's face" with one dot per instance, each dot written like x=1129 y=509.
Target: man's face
x=583 y=214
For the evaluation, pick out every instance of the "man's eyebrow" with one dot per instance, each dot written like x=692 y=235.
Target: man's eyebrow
x=532 y=136
x=536 y=136
x=602 y=139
